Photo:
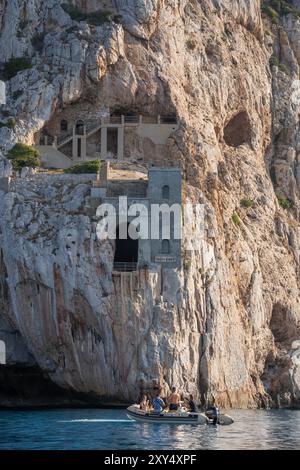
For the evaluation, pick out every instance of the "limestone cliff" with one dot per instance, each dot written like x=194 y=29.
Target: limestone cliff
x=227 y=326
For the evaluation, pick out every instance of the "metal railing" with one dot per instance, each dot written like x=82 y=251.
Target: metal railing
x=64 y=139
x=93 y=127
x=46 y=140
x=168 y=119
x=113 y=119
x=125 y=267
x=131 y=119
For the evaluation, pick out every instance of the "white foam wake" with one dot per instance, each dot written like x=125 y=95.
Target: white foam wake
x=97 y=421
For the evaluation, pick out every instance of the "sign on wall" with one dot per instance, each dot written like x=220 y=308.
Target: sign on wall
x=165 y=259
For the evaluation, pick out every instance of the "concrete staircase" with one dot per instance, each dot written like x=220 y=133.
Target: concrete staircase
x=53 y=158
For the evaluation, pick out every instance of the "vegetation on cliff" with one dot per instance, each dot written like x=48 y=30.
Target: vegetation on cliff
x=90 y=167
x=22 y=155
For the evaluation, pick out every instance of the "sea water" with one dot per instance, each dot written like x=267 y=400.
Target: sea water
x=110 y=429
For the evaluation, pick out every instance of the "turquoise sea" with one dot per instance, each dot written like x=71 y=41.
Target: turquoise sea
x=110 y=429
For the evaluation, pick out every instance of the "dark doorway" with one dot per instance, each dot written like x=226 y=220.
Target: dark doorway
x=79 y=148
x=126 y=254
x=112 y=141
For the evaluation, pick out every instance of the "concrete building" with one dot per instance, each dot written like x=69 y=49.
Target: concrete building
x=65 y=142
x=163 y=186
x=2 y=93
x=2 y=353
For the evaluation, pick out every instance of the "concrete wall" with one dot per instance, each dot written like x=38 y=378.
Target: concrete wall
x=157 y=133
x=4 y=184
x=93 y=146
x=158 y=178
x=2 y=352
x=2 y=93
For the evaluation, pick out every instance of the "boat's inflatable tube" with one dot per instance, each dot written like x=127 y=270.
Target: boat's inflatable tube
x=225 y=420
x=134 y=412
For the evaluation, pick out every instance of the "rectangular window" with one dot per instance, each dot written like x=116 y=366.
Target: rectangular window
x=78 y=148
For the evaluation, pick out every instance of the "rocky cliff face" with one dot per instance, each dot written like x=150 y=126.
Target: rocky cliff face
x=227 y=326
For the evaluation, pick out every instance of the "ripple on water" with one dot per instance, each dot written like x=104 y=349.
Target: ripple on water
x=110 y=429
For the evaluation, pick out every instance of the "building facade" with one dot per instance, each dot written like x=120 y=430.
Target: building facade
x=65 y=142
x=159 y=194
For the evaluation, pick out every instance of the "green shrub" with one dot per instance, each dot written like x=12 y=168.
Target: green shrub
x=38 y=41
x=274 y=61
x=247 y=203
x=22 y=155
x=285 y=203
x=191 y=44
x=96 y=18
x=90 y=167
x=10 y=123
x=271 y=13
x=236 y=219
x=276 y=8
x=15 y=65
x=187 y=265
x=17 y=94
x=284 y=68
x=118 y=19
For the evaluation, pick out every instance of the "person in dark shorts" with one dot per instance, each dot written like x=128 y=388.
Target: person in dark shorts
x=192 y=405
x=173 y=400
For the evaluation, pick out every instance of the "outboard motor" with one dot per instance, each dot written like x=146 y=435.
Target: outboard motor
x=212 y=413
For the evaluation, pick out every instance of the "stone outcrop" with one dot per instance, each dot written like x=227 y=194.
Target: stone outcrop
x=227 y=325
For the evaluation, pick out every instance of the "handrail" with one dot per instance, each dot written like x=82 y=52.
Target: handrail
x=132 y=119
x=125 y=266
x=64 y=139
x=168 y=120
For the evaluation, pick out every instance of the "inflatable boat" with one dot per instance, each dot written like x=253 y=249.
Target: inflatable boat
x=177 y=417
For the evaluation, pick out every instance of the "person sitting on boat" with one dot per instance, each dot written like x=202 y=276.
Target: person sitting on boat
x=173 y=400
x=144 y=404
x=158 y=403
x=192 y=405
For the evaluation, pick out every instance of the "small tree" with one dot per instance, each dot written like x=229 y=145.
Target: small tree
x=22 y=155
x=15 y=65
x=89 y=167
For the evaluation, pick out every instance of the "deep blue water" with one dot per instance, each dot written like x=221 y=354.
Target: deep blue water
x=111 y=429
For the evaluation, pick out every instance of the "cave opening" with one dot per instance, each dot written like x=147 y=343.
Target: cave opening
x=126 y=252
x=238 y=130
x=283 y=325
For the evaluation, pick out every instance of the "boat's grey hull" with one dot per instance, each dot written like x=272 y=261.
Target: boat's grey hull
x=166 y=418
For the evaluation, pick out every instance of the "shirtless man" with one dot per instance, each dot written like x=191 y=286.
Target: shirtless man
x=173 y=400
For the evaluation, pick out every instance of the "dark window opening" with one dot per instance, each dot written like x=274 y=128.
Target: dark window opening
x=126 y=254
x=165 y=247
x=79 y=128
x=63 y=125
x=43 y=140
x=166 y=192
x=79 y=148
